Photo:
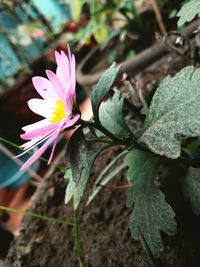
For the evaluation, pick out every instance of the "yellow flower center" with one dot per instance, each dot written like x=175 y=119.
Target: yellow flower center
x=58 y=112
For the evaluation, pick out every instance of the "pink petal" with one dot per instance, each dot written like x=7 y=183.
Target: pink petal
x=45 y=88
x=60 y=90
x=58 y=86
x=54 y=146
x=64 y=126
x=72 y=71
x=41 y=107
x=63 y=70
x=71 y=122
x=30 y=144
x=36 y=155
x=41 y=132
x=33 y=143
x=36 y=125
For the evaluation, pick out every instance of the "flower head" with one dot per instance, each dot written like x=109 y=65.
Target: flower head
x=58 y=94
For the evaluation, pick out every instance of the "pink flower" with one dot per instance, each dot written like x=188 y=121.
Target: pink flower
x=58 y=94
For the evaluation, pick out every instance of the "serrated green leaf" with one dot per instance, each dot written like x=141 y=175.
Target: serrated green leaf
x=191 y=188
x=188 y=12
x=151 y=213
x=112 y=118
x=80 y=159
x=174 y=112
x=103 y=86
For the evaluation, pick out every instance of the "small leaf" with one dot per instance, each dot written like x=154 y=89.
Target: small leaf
x=151 y=213
x=174 y=112
x=68 y=174
x=191 y=188
x=81 y=160
x=76 y=154
x=103 y=86
x=111 y=116
x=101 y=33
x=188 y=12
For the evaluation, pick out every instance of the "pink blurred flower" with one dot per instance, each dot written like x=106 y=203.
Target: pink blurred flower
x=38 y=34
x=58 y=94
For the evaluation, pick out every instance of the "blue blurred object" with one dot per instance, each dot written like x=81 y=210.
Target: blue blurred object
x=10 y=175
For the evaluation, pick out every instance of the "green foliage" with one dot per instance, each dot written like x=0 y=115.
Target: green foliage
x=103 y=86
x=112 y=118
x=174 y=112
x=99 y=21
x=161 y=3
x=188 y=12
x=191 y=188
x=75 y=8
x=80 y=159
x=151 y=213
x=173 y=116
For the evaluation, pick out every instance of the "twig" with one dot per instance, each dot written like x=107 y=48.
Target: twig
x=20 y=163
x=158 y=16
x=29 y=152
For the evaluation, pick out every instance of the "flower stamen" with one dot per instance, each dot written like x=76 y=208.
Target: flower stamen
x=58 y=112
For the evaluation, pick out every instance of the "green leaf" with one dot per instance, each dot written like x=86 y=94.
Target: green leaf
x=76 y=9
x=112 y=118
x=188 y=12
x=80 y=159
x=151 y=213
x=174 y=112
x=191 y=188
x=103 y=86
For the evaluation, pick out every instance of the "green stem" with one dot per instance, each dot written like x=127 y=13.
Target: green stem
x=30 y=153
x=102 y=129
x=91 y=140
x=36 y=216
x=77 y=239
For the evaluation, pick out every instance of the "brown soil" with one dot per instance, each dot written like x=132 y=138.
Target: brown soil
x=105 y=236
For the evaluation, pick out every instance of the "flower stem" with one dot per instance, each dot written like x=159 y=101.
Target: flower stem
x=101 y=128
x=77 y=238
x=36 y=216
